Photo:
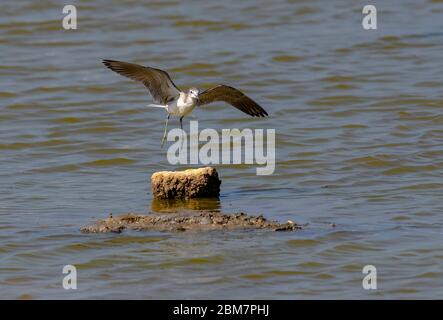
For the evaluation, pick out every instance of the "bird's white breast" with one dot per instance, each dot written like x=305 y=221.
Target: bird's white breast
x=181 y=106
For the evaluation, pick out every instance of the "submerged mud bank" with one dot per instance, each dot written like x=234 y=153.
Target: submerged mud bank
x=195 y=221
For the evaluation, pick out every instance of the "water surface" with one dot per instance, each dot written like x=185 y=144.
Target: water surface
x=359 y=148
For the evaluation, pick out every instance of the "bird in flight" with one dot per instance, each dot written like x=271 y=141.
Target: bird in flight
x=179 y=103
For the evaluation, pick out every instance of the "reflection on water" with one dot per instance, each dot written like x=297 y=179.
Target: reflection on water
x=358 y=119
x=163 y=206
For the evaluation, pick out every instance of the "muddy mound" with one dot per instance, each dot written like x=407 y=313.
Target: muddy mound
x=200 y=221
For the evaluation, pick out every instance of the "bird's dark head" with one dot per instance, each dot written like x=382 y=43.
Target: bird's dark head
x=193 y=93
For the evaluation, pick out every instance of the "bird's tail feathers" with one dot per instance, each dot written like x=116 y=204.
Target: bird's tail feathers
x=156 y=106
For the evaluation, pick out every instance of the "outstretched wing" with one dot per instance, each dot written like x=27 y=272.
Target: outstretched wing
x=234 y=97
x=158 y=82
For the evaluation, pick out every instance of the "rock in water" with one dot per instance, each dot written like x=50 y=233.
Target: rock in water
x=191 y=183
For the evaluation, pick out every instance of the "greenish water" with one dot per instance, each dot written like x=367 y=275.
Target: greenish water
x=359 y=144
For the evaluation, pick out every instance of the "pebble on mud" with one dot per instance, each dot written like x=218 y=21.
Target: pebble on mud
x=191 y=183
x=190 y=221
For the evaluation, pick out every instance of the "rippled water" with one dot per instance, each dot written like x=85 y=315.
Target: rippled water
x=359 y=148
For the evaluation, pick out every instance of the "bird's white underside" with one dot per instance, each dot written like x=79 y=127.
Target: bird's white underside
x=180 y=107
